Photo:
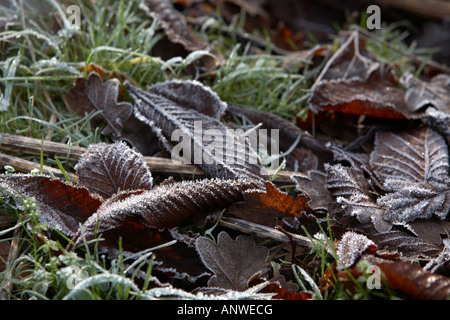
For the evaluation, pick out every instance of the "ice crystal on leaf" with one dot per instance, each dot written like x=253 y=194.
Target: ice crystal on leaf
x=165 y=206
x=350 y=247
x=234 y=262
x=413 y=168
x=349 y=187
x=206 y=142
x=108 y=169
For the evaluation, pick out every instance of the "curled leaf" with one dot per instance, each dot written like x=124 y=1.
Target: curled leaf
x=62 y=205
x=414 y=281
x=350 y=247
x=164 y=206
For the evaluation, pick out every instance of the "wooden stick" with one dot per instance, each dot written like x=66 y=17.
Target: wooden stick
x=26 y=166
x=32 y=146
x=264 y=231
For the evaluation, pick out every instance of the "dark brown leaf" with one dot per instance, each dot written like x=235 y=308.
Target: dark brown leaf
x=234 y=262
x=351 y=83
x=352 y=191
x=92 y=95
x=205 y=141
x=173 y=23
x=422 y=96
x=314 y=186
x=164 y=206
x=108 y=169
x=182 y=38
x=414 y=281
x=398 y=241
x=62 y=205
x=368 y=98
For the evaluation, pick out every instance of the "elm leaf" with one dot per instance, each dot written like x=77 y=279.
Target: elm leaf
x=417 y=155
x=107 y=169
x=163 y=206
x=205 y=141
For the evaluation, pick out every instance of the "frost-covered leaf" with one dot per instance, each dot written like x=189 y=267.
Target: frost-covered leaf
x=164 y=206
x=234 y=262
x=350 y=247
x=358 y=97
x=205 y=141
x=429 y=101
x=413 y=166
x=314 y=186
x=399 y=241
x=93 y=95
x=192 y=95
x=416 y=201
x=422 y=95
x=352 y=82
x=182 y=40
x=351 y=61
x=418 y=155
x=288 y=136
x=350 y=189
x=173 y=23
x=108 y=169
x=62 y=205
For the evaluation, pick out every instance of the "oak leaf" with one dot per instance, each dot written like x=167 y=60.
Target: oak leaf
x=234 y=262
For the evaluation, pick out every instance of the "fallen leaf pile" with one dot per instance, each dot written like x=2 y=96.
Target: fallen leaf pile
x=376 y=171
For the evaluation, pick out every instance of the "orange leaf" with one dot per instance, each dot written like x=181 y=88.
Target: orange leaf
x=267 y=208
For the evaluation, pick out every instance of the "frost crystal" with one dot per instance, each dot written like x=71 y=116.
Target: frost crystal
x=350 y=248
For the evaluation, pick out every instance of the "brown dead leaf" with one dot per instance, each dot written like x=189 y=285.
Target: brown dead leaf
x=93 y=95
x=270 y=207
x=63 y=205
x=234 y=262
x=414 y=281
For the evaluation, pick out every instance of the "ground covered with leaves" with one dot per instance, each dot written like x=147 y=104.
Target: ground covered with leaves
x=212 y=150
